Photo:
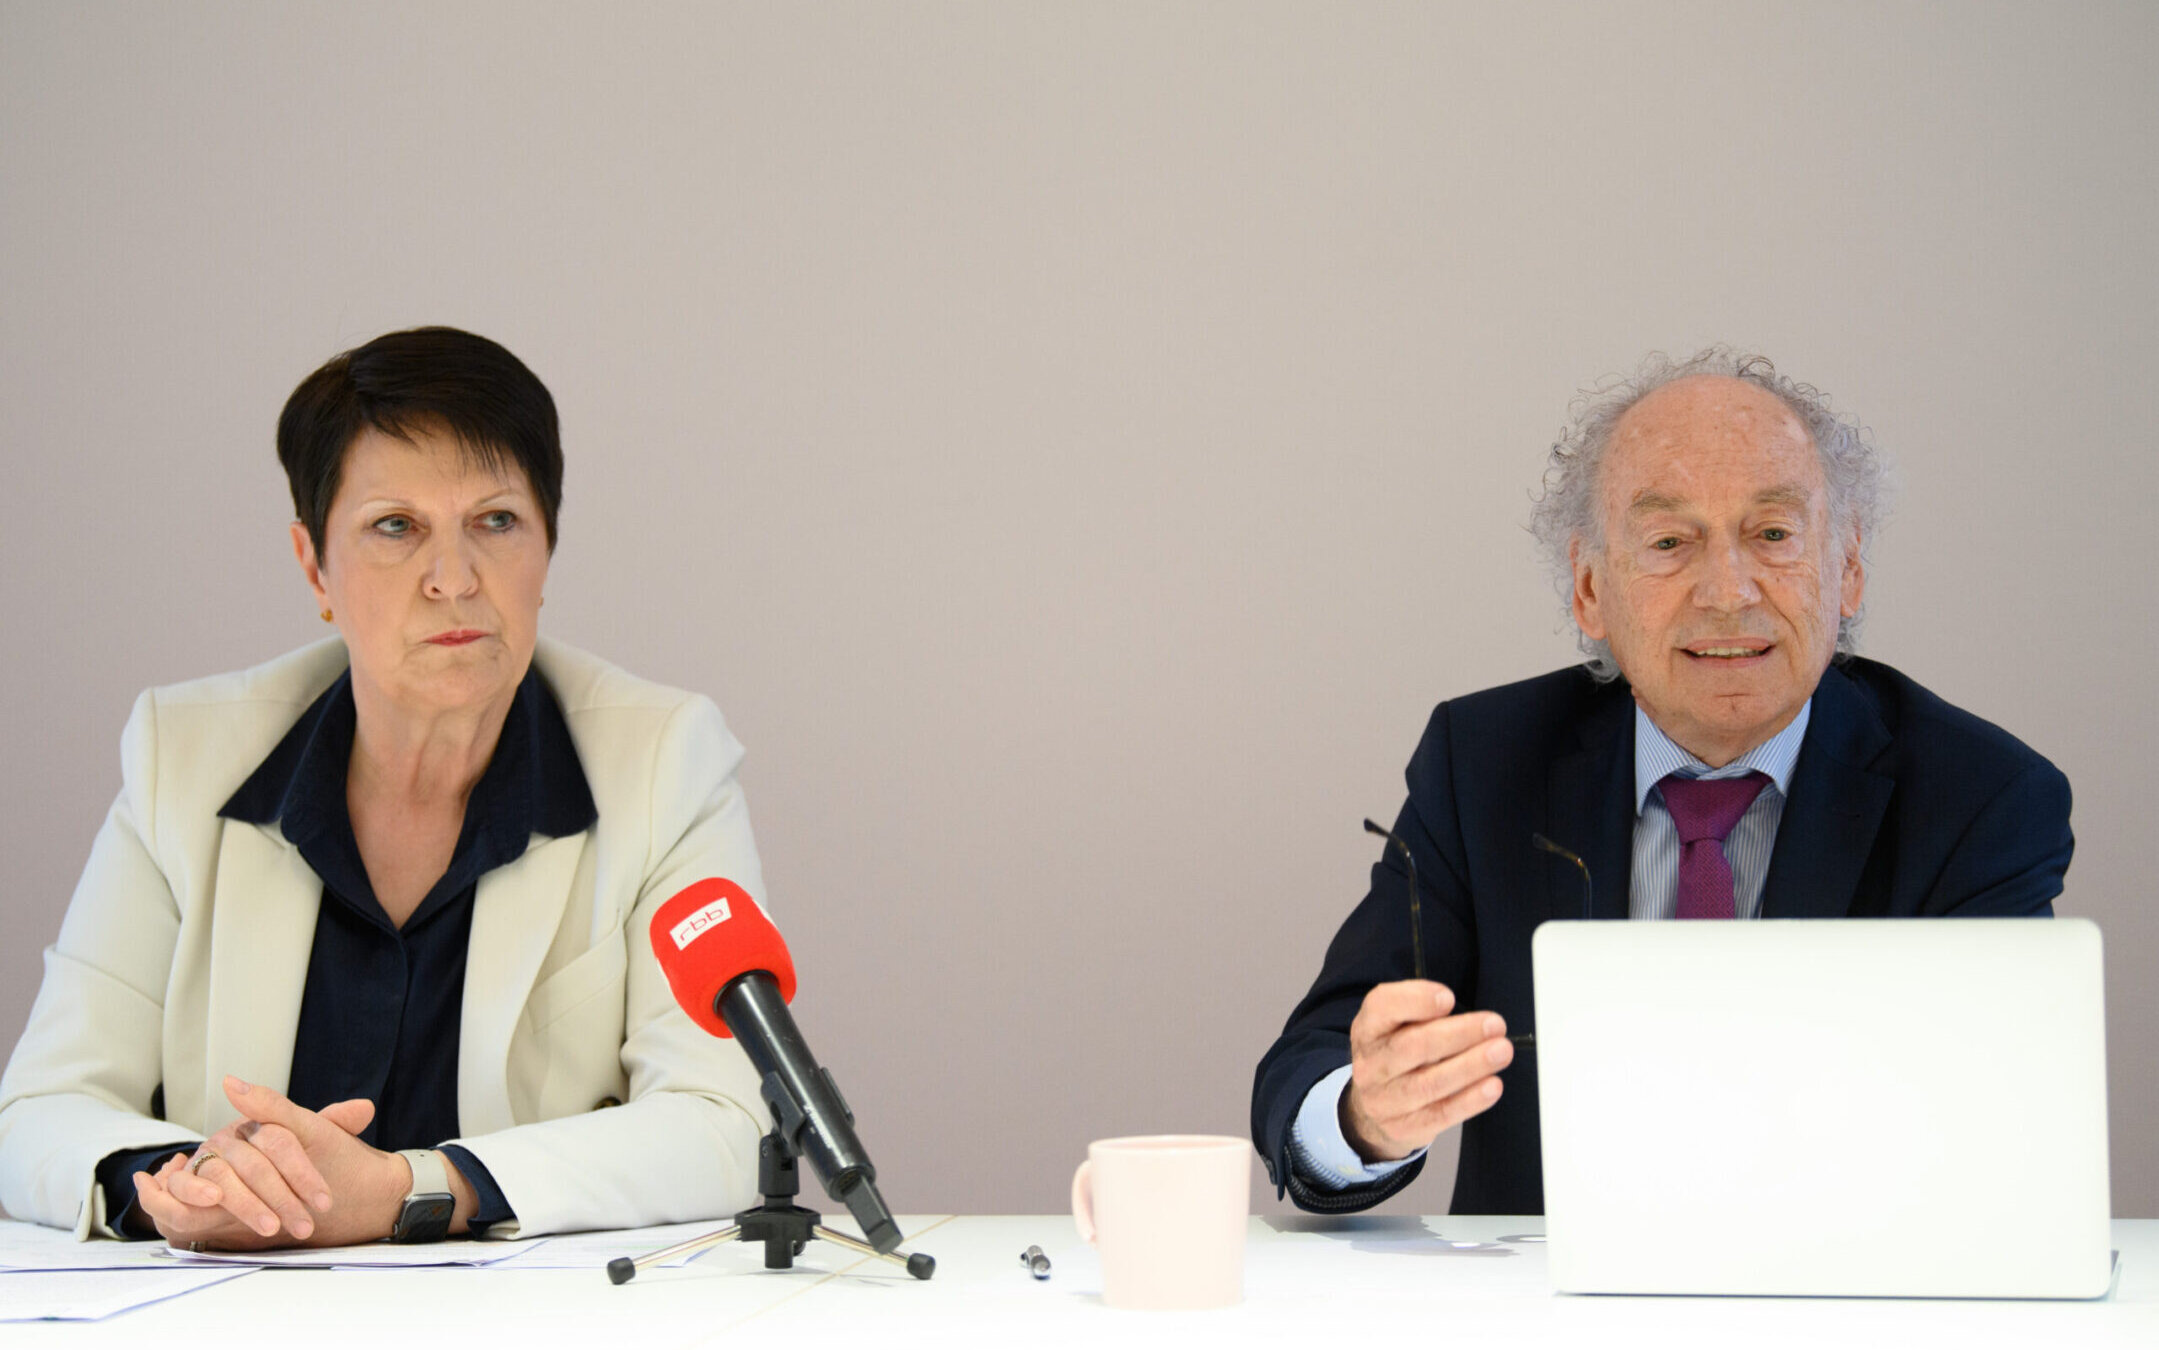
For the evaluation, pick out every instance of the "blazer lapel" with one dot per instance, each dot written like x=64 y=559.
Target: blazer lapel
x=1590 y=801
x=260 y=942
x=516 y=912
x=1835 y=808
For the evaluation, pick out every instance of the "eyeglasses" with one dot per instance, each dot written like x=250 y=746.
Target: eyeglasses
x=1416 y=913
x=1549 y=847
x=1416 y=910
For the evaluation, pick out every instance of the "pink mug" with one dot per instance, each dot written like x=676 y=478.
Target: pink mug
x=1168 y=1213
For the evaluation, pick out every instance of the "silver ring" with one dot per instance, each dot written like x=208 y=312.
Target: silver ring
x=196 y=1166
x=194 y=1246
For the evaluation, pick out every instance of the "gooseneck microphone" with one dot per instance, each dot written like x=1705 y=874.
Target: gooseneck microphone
x=731 y=973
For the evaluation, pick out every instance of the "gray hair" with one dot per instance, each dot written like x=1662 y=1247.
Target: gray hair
x=1568 y=508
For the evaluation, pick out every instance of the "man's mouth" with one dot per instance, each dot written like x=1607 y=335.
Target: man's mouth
x=1726 y=652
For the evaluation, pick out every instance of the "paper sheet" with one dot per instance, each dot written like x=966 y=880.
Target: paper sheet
x=86 y=1295
x=592 y=1251
x=456 y=1252
x=33 y=1246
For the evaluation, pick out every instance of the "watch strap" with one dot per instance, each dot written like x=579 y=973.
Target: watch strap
x=430 y=1174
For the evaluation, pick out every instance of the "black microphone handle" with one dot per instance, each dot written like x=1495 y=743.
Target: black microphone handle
x=824 y=1130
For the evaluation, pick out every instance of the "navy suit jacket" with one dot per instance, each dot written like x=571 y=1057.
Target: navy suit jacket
x=1900 y=805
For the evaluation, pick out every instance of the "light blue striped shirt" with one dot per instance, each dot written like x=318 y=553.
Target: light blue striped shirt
x=1654 y=892
x=1317 y=1148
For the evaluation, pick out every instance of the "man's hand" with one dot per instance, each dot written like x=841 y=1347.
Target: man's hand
x=280 y=1176
x=1416 y=1072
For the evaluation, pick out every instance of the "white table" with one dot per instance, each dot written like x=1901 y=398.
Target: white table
x=1309 y=1282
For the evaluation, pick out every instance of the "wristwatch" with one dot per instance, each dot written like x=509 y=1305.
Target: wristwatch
x=429 y=1204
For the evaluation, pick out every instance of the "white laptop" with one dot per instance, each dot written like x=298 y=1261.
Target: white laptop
x=1836 y=1107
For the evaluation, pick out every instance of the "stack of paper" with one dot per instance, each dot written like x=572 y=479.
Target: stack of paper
x=46 y=1275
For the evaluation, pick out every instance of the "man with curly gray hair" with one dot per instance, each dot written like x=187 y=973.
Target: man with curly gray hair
x=1722 y=753
x=1569 y=509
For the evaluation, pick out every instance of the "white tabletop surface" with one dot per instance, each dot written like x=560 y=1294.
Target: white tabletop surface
x=1309 y=1281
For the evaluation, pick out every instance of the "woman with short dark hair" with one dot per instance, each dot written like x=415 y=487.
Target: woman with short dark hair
x=360 y=950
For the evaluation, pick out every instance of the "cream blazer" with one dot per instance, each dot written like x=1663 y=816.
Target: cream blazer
x=185 y=949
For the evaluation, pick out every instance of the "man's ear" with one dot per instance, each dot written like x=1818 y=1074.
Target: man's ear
x=1588 y=590
x=303 y=549
x=1854 y=583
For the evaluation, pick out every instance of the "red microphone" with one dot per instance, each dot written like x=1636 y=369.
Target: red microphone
x=731 y=973
x=709 y=935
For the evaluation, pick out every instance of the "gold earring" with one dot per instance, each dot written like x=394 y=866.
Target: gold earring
x=326 y=618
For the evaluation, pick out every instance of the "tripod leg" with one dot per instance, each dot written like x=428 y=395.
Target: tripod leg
x=623 y=1268
x=919 y=1265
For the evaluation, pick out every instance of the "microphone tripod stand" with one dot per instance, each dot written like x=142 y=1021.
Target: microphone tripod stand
x=782 y=1225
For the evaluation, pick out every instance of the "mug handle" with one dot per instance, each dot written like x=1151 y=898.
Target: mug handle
x=1083 y=1201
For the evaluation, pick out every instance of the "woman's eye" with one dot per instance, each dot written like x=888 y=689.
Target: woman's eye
x=1776 y=534
x=393 y=526
x=1664 y=545
x=498 y=520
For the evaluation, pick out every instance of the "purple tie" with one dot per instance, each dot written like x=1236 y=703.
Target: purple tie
x=1705 y=810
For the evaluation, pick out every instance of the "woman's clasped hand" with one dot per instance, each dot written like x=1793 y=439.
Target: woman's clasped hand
x=279 y=1176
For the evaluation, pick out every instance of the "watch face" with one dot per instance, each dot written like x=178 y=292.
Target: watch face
x=425 y=1218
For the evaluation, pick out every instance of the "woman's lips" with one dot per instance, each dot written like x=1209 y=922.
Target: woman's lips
x=457 y=637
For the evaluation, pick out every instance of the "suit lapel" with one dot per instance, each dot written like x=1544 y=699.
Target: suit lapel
x=260 y=944
x=516 y=913
x=1590 y=801
x=1835 y=808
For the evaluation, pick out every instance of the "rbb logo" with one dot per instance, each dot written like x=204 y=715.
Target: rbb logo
x=699 y=923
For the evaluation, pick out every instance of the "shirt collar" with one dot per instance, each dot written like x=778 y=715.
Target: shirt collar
x=534 y=784
x=1656 y=755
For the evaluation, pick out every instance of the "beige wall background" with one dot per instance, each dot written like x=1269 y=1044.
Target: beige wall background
x=1077 y=444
